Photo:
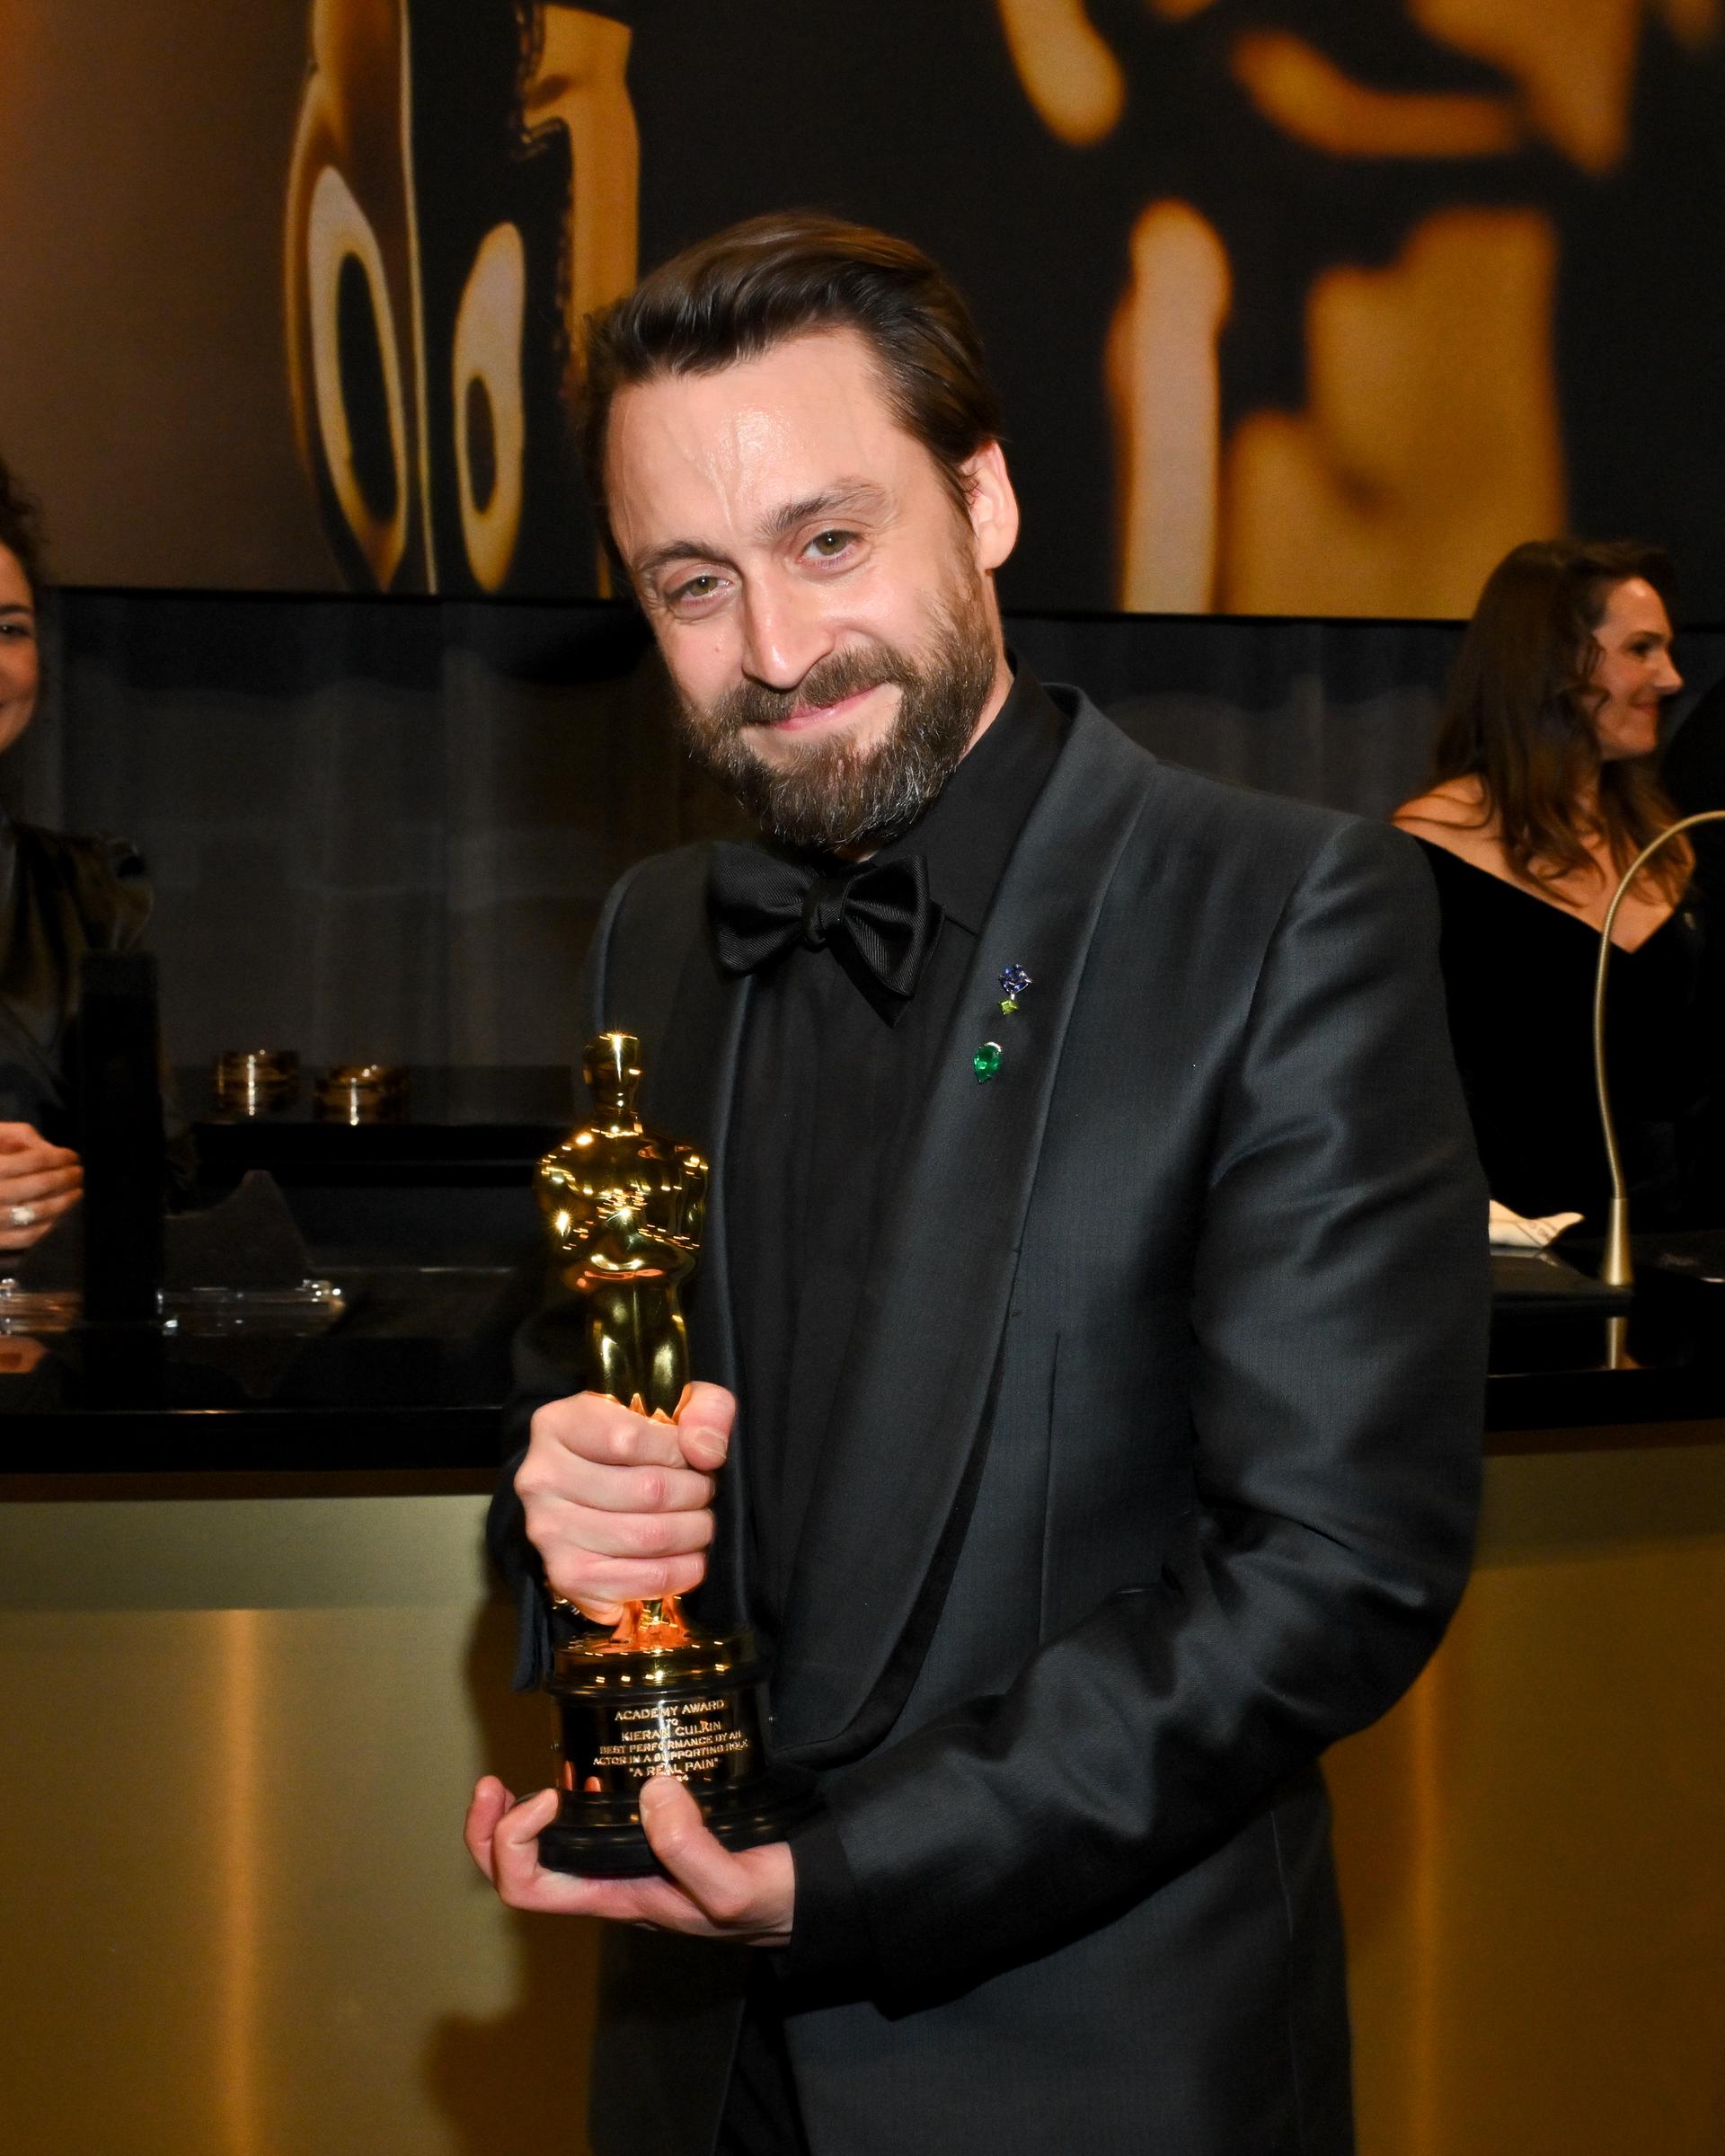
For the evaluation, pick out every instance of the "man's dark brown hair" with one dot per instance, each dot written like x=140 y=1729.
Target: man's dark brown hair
x=1520 y=715
x=734 y=296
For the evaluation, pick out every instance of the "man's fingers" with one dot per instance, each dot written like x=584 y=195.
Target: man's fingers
x=699 y=1863
x=584 y=1579
x=599 y=1429
x=708 y=1893
x=619 y=1505
x=634 y=1490
x=491 y=1801
x=519 y=1826
x=703 y=1424
x=638 y=1534
x=504 y=1839
x=517 y=1873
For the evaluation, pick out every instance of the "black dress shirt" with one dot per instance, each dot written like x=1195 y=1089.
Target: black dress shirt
x=828 y=1091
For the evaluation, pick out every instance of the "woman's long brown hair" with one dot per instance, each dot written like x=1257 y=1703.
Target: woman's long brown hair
x=19 y=532
x=1520 y=715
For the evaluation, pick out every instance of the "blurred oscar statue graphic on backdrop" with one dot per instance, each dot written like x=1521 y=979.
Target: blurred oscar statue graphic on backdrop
x=1418 y=151
x=463 y=192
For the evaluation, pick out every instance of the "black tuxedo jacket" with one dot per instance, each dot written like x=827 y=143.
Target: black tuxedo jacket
x=1153 y=1472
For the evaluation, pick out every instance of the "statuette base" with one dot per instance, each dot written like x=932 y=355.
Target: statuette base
x=697 y=1712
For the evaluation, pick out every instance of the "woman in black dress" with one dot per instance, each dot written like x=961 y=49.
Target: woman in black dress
x=59 y=897
x=1543 y=792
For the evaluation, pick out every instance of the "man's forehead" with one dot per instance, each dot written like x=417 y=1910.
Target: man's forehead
x=836 y=363
x=809 y=402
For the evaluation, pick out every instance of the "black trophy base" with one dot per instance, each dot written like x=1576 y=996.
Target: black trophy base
x=605 y=1839
x=696 y=1712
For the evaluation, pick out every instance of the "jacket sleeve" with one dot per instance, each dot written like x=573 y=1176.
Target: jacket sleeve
x=1340 y=1301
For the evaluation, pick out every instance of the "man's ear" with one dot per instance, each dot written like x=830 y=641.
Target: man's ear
x=993 y=506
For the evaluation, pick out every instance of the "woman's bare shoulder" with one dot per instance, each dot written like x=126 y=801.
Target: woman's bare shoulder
x=1457 y=806
x=1455 y=816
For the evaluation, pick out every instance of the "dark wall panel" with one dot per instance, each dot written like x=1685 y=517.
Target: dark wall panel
x=383 y=828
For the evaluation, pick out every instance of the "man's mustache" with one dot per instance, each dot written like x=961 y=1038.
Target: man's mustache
x=846 y=672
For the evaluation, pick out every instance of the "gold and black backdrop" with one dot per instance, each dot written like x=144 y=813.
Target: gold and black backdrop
x=1301 y=309
x=1300 y=306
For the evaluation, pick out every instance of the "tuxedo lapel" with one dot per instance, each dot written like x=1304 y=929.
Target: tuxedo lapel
x=903 y=1453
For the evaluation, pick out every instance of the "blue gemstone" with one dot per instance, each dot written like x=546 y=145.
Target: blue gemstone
x=1014 y=980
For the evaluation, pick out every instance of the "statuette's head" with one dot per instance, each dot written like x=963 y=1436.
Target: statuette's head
x=611 y=1067
x=620 y=1202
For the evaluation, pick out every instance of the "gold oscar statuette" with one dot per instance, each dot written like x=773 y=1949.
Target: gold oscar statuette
x=654 y=1696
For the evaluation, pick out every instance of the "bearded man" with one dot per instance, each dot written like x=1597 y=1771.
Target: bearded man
x=1092 y=1306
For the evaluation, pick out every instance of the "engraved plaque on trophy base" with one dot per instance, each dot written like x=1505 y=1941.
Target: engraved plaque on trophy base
x=697 y=1712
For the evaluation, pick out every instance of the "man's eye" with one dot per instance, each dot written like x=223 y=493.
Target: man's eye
x=696 y=590
x=827 y=546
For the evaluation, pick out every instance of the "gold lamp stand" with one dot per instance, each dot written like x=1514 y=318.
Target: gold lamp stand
x=1618 y=1268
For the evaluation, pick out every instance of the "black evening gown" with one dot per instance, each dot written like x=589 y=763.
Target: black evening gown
x=1693 y=771
x=59 y=897
x=1518 y=975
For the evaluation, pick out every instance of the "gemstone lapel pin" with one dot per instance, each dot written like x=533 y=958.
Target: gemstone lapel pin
x=986 y=1061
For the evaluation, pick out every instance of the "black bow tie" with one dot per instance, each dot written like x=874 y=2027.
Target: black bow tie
x=878 y=919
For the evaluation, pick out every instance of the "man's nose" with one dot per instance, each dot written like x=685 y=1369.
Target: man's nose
x=782 y=637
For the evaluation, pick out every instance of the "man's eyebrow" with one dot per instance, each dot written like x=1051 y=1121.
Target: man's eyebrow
x=17 y=607
x=850 y=498
x=860 y=496
x=673 y=550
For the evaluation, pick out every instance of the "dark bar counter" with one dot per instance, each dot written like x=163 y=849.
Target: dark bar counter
x=409 y=1377
x=425 y=1224
x=1624 y=1364
x=413 y=1375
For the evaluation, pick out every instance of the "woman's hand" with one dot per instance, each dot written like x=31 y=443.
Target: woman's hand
x=38 y=1183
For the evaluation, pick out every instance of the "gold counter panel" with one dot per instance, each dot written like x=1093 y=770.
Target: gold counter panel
x=239 y=1921
x=239 y=1915
x=1532 y=1844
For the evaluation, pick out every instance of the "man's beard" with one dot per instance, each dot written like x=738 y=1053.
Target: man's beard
x=834 y=794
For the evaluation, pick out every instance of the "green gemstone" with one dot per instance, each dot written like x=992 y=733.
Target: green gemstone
x=986 y=1062
x=1008 y=1006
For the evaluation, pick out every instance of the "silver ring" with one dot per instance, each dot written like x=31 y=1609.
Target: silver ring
x=21 y=1216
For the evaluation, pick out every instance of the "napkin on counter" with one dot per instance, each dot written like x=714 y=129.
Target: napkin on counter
x=1511 y=1231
